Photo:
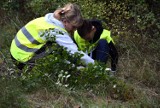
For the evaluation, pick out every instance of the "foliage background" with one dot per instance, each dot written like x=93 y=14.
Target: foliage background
x=135 y=26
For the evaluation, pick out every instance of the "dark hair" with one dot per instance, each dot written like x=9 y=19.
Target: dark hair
x=85 y=28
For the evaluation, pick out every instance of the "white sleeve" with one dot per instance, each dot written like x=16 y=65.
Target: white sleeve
x=66 y=41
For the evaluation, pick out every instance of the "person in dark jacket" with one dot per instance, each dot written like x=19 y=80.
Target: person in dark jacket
x=97 y=42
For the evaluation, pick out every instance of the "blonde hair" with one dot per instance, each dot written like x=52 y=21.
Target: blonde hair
x=71 y=12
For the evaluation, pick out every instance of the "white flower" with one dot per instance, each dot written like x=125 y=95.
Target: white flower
x=114 y=86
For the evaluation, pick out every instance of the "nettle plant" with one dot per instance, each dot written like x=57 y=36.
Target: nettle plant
x=61 y=68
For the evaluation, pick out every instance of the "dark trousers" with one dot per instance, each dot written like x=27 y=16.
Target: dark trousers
x=103 y=51
x=22 y=65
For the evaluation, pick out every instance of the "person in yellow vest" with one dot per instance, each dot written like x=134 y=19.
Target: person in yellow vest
x=97 y=42
x=28 y=44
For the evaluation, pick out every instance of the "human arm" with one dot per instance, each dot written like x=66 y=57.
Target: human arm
x=66 y=41
x=114 y=56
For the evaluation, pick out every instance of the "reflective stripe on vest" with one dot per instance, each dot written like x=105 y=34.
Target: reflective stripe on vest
x=23 y=47
x=28 y=40
x=86 y=46
x=29 y=36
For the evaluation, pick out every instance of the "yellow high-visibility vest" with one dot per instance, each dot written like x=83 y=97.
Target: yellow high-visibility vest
x=28 y=40
x=86 y=46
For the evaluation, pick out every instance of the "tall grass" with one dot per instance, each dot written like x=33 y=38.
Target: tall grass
x=11 y=94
